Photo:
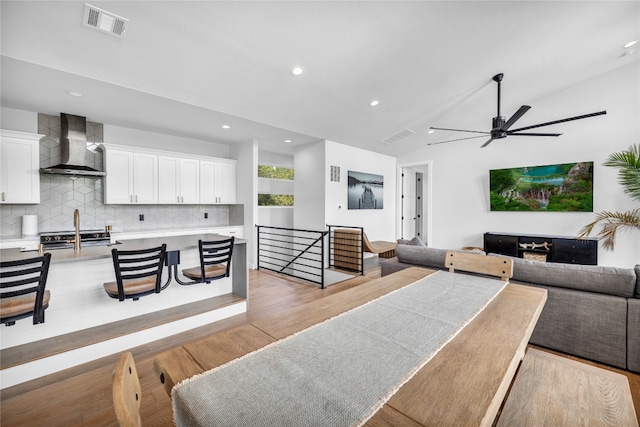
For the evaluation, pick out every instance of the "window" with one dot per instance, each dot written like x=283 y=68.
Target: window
x=275 y=185
x=276 y=172
x=275 y=199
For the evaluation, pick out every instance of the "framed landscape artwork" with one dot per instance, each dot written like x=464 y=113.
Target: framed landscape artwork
x=566 y=187
x=365 y=190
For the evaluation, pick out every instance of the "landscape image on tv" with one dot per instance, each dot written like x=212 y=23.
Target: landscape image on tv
x=564 y=187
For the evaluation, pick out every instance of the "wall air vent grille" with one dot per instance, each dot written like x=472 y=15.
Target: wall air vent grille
x=104 y=21
x=398 y=136
x=335 y=173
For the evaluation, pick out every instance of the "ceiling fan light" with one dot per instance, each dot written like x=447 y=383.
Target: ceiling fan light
x=630 y=44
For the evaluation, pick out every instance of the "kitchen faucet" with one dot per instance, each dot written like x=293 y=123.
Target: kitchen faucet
x=76 y=225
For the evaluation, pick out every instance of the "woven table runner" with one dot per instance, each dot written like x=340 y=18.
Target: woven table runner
x=341 y=371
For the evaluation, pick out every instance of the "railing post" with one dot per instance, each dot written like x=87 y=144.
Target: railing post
x=258 y=247
x=322 y=260
x=361 y=251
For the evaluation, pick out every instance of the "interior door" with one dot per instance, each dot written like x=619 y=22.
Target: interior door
x=408 y=203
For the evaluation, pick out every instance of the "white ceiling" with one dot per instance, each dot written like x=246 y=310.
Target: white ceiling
x=187 y=67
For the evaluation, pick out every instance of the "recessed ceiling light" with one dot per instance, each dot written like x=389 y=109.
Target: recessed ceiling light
x=297 y=71
x=374 y=103
x=288 y=141
x=72 y=93
x=632 y=43
x=225 y=126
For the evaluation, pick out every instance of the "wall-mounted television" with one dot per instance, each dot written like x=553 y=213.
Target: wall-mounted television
x=566 y=187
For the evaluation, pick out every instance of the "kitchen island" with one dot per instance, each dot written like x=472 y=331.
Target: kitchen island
x=79 y=302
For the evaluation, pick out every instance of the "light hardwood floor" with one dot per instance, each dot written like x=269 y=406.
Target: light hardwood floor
x=82 y=395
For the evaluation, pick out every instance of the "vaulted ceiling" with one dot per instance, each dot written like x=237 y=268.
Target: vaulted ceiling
x=188 y=67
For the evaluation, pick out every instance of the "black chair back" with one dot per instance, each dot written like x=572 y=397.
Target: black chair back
x=215 y=253
x=22 y=289
x=133 y=266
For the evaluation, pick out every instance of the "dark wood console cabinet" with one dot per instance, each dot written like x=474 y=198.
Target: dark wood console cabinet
x=548 y=248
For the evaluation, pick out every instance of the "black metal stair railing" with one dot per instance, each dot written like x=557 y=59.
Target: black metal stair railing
x=294 y=252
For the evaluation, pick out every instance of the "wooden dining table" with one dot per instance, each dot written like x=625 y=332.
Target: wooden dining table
x=465 y=383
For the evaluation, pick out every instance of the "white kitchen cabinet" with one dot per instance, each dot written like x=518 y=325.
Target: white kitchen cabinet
x=226 y=183
x=217 y=182
x=19 y=164
x=179 y=180
x=132 y=178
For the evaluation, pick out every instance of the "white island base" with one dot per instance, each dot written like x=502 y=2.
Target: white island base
x=79 y=302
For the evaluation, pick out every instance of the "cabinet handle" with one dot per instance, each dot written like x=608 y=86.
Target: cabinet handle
x=177 y=199
x=3 y=196
x=130 y=198
x=181 y=199
x=136 y=198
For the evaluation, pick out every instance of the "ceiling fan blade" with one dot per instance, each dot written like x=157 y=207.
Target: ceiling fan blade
x=532 y=134
x=461 y=130
x=515 y=117
x=487 y=143
x=584 y=116
x=452 y=140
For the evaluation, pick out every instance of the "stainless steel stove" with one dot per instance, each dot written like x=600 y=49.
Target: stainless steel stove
x=65 y=239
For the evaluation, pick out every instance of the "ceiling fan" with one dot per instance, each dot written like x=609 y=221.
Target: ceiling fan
x=502 y=129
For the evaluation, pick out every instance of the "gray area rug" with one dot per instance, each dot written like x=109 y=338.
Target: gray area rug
x=339 y=372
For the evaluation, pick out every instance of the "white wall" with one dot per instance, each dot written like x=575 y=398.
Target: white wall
x=27 y=121
x=246 y=154
x=460 y=196
x=276 y=216
x=20 y=120
x=309 y=187
x=139 y=138
x=275 y=159
x=379 y=224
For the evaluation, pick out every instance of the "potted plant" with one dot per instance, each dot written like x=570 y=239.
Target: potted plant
x=628 y=164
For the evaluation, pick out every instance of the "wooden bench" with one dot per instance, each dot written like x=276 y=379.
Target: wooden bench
x=551 y=390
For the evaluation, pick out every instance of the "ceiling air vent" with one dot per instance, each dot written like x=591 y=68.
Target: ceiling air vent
x=393 y=138
x=104 y=21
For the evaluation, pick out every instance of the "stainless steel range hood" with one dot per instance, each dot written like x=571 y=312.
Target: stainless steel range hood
x=73 y=144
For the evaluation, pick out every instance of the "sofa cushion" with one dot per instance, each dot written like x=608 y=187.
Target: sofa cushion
x=421 y=255
x=592 y=278
x=416 y=241
x=637 y=269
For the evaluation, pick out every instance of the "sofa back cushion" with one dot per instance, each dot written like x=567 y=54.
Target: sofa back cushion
x=592 y=278
x=637 y=269
x=421 y=255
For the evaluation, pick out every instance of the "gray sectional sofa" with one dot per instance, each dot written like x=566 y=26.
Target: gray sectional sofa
x=591 y=312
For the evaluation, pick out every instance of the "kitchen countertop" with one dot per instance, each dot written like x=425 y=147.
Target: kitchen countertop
x=31 y=242
x=96 y=252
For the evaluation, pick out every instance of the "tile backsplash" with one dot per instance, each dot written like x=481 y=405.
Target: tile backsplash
x=61 y=195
